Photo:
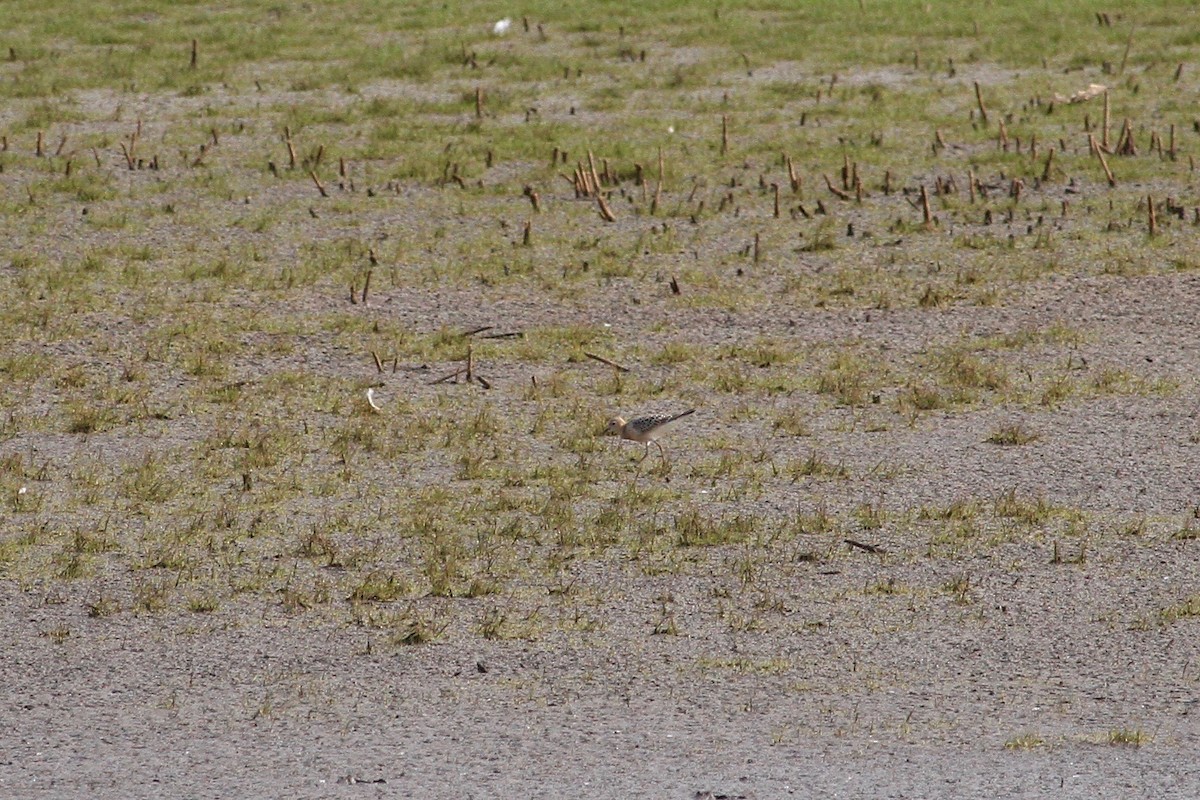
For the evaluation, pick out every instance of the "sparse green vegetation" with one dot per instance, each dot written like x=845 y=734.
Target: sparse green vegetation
x=1127 y=737
x=1012 y=434
x=1026 y=741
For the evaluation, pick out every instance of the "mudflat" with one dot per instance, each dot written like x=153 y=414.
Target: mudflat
x=928 y=277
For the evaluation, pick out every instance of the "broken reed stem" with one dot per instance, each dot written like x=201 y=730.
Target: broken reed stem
x=658 y=189
x=1107 y=123
x=1125 y=55
x=605 y=211
x=291 y=148
x=478 y=107
x=317 y=181
x=1152 y=220
x=595 y=176
x=195 y=48
x=366 y=287
x=534 y=198
x=793 y=178
x=1125 y=143
x=1099 y=151
x=979 y=99
x=757 y=251
x=378 y=363
x=842 y=194
x=928 y=215
x=527 y=234
x=37 y=151
x=1049 y=166
x=775 y=187
x=470 y=362
x=725 y=135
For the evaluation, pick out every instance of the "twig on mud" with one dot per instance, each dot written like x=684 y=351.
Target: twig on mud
x=468 y=370
x=870 y=548
x=604 y=360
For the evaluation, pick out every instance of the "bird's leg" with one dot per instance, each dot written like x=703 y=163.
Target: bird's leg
x=643 y=458
x=661 y=453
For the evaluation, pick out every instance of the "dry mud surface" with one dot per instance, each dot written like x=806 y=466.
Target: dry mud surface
x=847 y=692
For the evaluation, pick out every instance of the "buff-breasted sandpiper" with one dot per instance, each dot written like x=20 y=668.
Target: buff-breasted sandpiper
x=646 y=430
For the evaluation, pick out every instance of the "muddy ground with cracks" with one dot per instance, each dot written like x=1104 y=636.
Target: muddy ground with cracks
x=236 y=579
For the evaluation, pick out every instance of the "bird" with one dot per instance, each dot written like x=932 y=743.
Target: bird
x=646 y=430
